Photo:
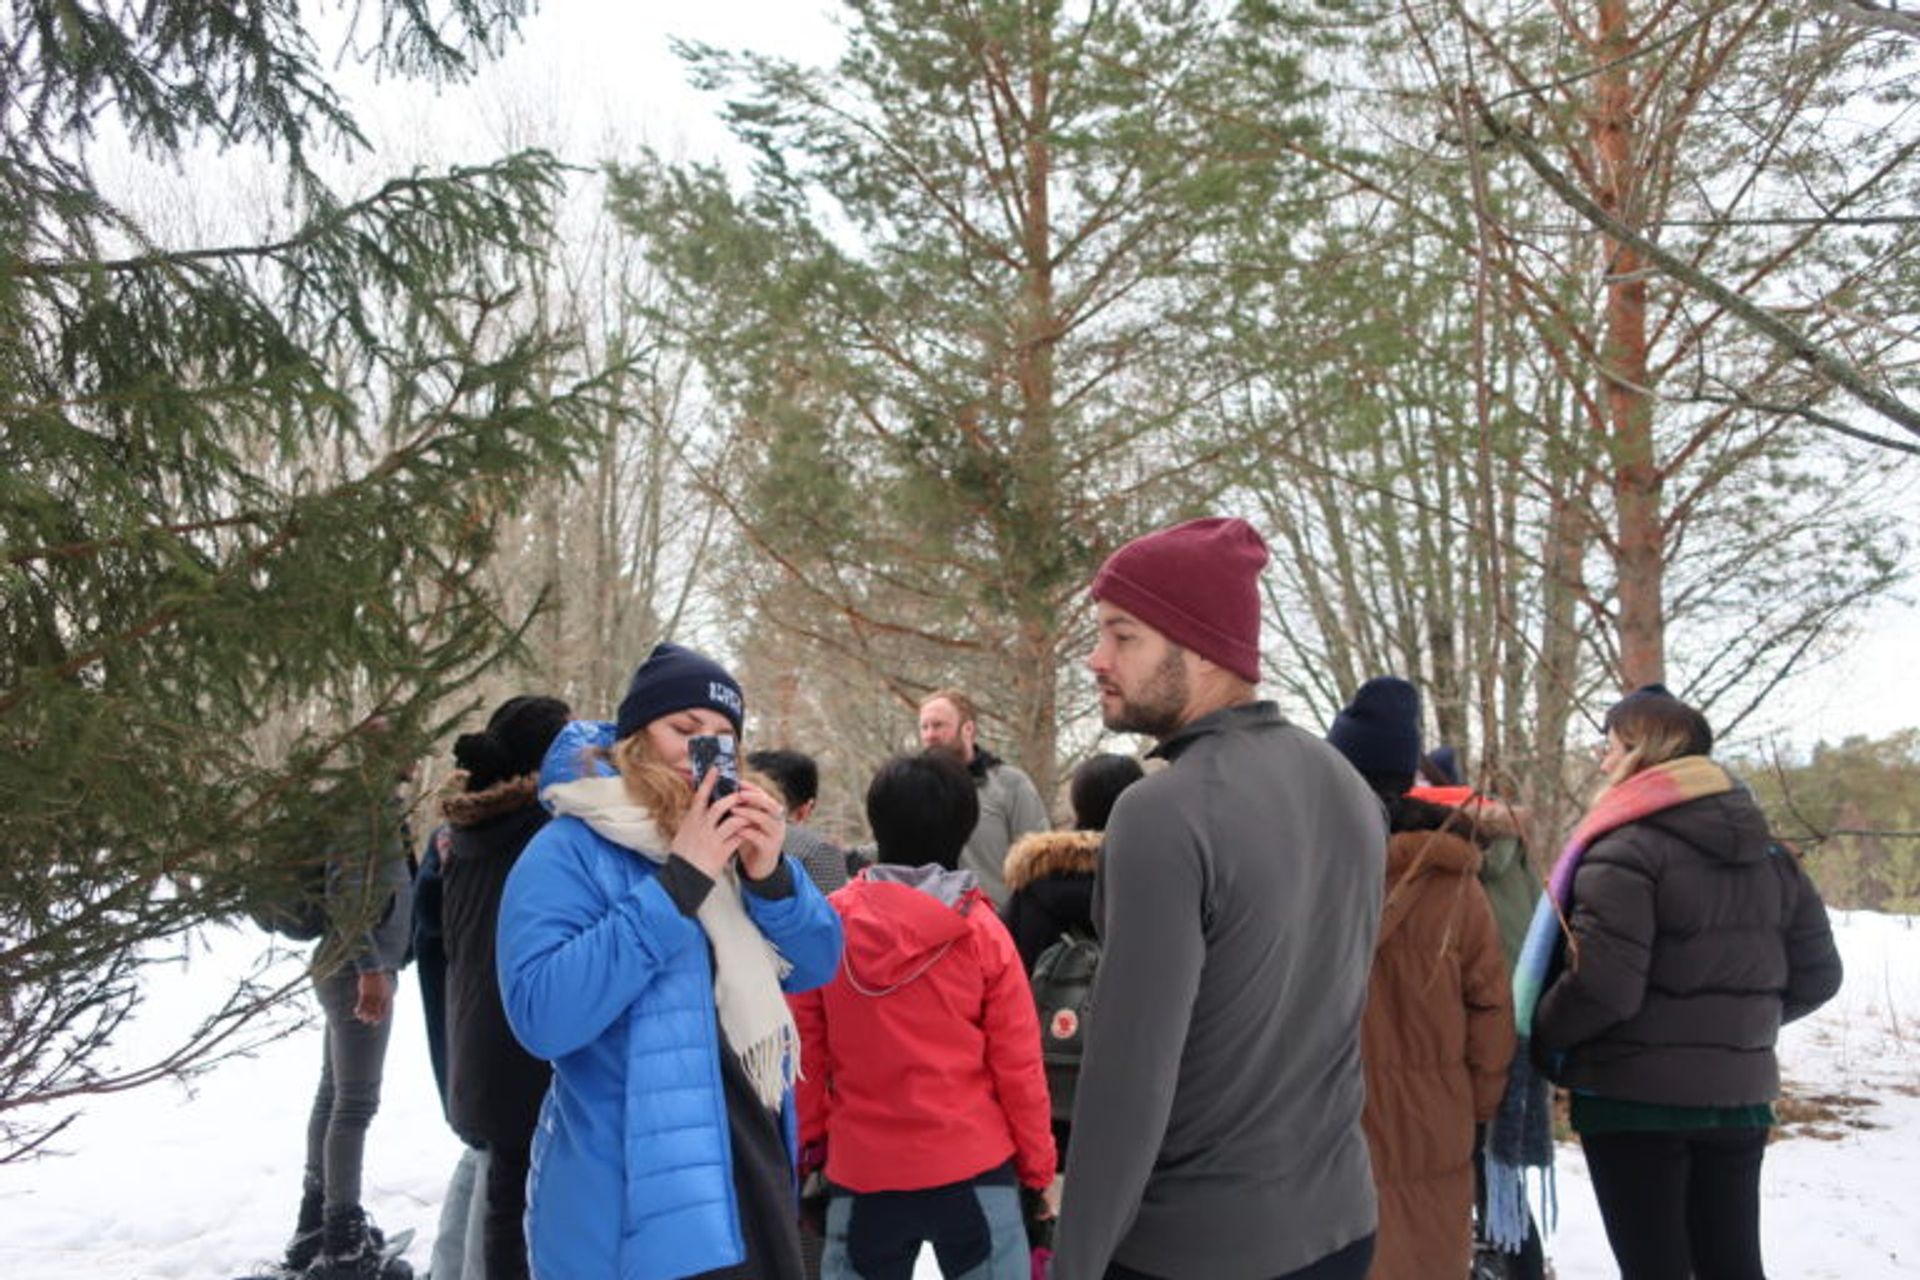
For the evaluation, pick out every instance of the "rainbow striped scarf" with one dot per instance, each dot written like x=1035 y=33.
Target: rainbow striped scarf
x=1644 y=794
x=1520 y=1136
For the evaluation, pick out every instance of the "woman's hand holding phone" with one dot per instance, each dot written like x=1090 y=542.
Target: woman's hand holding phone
x=711 y=831
x=748 y=822
x=763 y=831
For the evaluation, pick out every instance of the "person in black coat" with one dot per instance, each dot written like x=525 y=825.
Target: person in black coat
x=1692 y=936
x=494 y=1087
x=1050 y=876
x=1050 y=873
x=466 y=1186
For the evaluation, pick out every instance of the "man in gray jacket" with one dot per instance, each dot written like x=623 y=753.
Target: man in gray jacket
x=1216 y=1129
x=369 y=904
x=1010 y=805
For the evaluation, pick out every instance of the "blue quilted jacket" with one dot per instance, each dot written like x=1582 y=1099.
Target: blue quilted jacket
x=603 y=976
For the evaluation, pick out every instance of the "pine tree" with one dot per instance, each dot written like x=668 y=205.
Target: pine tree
x=962 y=323
x=245 y=489
x=1556 y=465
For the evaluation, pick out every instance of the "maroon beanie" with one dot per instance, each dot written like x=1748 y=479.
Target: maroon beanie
x=1197 y=584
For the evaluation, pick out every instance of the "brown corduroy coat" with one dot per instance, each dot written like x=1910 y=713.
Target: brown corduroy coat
x=1437 y=1037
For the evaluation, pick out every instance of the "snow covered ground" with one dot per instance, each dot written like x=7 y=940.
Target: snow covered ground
x=167 y=1184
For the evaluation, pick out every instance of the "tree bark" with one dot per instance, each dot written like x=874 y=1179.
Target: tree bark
x=1627 y=393
x=1037 y=469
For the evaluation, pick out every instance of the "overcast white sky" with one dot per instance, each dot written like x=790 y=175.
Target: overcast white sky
x=597 y=68
x=1871 y=688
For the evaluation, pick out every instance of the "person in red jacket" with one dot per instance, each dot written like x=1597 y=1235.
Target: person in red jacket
x=920 y=1061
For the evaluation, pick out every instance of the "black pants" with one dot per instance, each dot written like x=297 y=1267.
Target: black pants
x=1350 y=1263
x=503 y=1233
x=1682 y=1205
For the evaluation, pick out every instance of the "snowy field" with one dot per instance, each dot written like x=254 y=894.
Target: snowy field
x=170 y=1184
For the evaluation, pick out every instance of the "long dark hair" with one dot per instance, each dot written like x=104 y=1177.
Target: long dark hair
x=1096 y=784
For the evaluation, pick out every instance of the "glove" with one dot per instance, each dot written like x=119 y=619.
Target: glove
x=813 y=1189
x=814 y=1195
x=1037 y=1218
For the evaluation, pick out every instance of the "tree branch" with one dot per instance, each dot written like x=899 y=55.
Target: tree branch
x=1829 y=366
x=1806 y=413
x=1881 y=17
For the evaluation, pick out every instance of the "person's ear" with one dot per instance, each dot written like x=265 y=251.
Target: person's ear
x=803 y=810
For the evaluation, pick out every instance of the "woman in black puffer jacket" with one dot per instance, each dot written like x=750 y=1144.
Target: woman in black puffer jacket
x=1692 y=936
x=1050 y=882
x=1050 y=873
x=494 y=1087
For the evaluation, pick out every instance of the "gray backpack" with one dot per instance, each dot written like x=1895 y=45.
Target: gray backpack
x=1063 y=995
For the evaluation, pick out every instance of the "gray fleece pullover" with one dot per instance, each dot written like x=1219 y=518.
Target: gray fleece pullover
x=1010 y=807
x=369 y=890
x=1216 y=1128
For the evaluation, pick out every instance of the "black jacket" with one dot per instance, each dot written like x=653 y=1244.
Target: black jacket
x=430 y=959
x=1050 y=882
x=494 y=1086
x=1694 y=936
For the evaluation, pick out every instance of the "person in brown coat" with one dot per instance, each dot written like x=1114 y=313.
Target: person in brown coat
x=1438 y=1032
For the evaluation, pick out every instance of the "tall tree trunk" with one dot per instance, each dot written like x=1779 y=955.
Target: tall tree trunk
x=1639 y=553
x=1036 y=473
x=1540 y=776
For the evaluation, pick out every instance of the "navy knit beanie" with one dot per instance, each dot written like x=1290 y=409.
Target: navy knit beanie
x=1645 y=691
x=1379 y=731
x=673 y=679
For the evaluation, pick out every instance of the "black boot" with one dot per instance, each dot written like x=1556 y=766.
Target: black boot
x=305 y=1245
x=349 y=1247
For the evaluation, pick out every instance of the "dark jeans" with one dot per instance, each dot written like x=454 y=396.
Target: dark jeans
x=1350 y=1263
x=1682 y=1205
x=353 y=1057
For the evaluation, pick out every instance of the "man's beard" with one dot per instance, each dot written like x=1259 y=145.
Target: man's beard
x=1158 y=706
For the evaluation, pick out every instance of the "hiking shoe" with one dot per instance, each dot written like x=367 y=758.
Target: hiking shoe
x=351 y=1248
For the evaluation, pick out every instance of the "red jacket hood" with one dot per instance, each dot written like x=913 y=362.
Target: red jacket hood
x=899 y=920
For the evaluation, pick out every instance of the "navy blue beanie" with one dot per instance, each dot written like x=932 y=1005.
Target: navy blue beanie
x=1655 y=690
x=1379 y=731
x=673 y=679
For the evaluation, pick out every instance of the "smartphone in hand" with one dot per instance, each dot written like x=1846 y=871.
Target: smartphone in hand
x=715 y=751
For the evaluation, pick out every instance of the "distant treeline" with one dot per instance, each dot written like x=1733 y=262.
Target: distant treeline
x=1853 y=810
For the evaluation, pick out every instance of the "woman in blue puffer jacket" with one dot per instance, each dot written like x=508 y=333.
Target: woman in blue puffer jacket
x=648 y=936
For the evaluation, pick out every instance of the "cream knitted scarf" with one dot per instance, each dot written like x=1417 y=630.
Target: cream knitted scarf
x=747 y=968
